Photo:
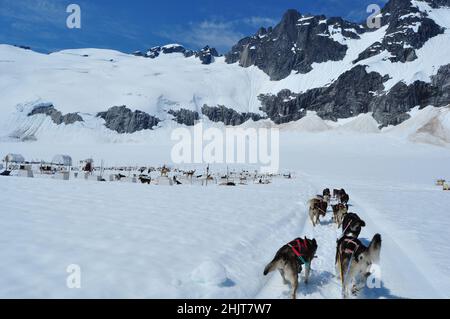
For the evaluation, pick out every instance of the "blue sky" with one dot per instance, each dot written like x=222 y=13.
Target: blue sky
x=140 y=24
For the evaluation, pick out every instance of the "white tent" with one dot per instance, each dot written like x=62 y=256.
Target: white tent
x=14 y=158
x=64 y=160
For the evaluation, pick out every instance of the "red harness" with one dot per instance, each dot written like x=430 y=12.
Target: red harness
x=299 y=247
x=348 y=250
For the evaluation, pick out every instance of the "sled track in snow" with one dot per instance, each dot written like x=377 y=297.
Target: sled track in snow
x=323 y=282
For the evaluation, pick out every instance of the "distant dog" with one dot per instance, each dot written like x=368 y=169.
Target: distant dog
x=345 y=198
x=289 y=260
x=317 y=208
x=144 y=179
x=351 y=225
x=341 y=195
x=337 y=193
x=353 y=262
x=339 y=212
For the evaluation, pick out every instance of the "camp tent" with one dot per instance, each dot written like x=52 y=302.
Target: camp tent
x=63 y=160
x=14 y=158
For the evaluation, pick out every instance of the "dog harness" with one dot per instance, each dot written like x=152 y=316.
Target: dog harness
x=349 y=225
x=351 y=247
x=300 y=249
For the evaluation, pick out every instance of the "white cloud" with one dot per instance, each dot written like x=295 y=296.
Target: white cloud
x=34 y=11
x=221 y=35
x=260 y=22
x=216 y=33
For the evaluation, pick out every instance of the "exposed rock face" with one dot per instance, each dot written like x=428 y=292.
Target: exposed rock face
x=391 y=108
x=356 y=92
x=122 y=120
x=206 y=55
x=298 y=40
x=294 y=44
x=56 y=116
x=228 y=116
x=185 y=117
x=348 y=96
x=408 y=30
x=442 y=82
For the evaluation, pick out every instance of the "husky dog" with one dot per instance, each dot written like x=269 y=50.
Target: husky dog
x=326 y=195
x=351 y=225
x=341 y=195
x=336 y=193
x=339 y=212
x=353 y=262
x=345 y=198
x=317 y=207
x=145 y=179
x=290 y=259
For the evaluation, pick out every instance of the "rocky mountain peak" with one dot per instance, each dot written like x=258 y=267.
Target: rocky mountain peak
x=206 y=55
x=295 y=44
x=408 y=28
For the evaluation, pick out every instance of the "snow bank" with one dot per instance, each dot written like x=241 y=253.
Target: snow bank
x=363 y=123
x=309 y=123
x=436 y=130
x=210 y=273
x=429 y=125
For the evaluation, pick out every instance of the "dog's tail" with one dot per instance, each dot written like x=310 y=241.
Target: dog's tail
x=271 y=266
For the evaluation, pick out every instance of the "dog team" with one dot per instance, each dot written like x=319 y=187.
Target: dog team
x=353 y=259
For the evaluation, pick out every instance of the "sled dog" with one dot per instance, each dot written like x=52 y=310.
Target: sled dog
x=353 y=262
x=317 y=208
x=339 y=212
x=351 y=225
x=291 y=258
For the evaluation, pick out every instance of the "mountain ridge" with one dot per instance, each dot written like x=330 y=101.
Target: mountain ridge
x=335 y=68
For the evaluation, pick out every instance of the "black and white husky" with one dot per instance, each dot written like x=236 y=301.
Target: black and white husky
x=353 y=262
x=352 y=225
x=291 y=258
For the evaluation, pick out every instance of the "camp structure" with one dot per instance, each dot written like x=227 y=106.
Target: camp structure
x=226 y=180
x=16 y=163
x=13 y=159
x=61 y=165
x=263 y=180
x=64 y=161
x=25 y=170
x=164 y=181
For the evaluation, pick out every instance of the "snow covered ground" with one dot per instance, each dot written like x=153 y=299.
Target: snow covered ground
x=132 y=240
x=190 y=241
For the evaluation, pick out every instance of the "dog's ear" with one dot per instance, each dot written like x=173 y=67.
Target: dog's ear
x=314 y=242
x=362 y=223
x=375 y=248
